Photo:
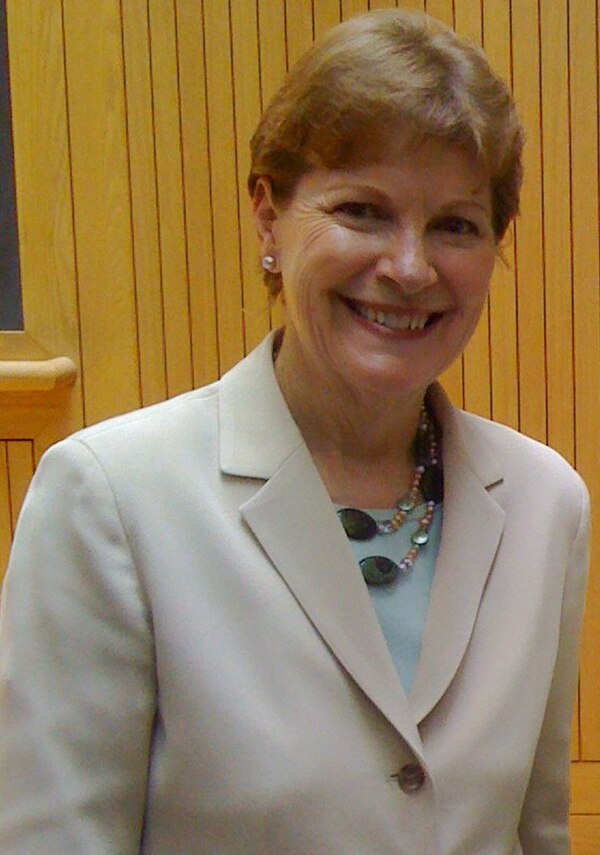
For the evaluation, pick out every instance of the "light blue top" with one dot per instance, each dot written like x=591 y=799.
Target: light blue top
x=402 y=605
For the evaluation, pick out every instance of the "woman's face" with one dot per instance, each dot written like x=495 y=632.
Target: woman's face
x=385 y=267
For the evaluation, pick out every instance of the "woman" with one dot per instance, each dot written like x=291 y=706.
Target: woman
x=231 y=622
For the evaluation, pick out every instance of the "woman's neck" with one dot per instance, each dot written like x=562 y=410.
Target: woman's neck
x=361 y=442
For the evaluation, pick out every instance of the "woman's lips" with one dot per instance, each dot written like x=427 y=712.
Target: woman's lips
x=392 y=318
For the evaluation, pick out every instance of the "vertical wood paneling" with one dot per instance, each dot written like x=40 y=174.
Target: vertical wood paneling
x=224 y=198
x=503 y=296
x=468 y=20
x=96 y=117
x=503 y=337
x=169 y=179
x=415 y=5
x=442 y=10
x=144 y=202
x=197 y=189
x=273 y=65
x=585 y=832
x=244 y=28
x=528 y=229
x=20 y=467
x=557 y=224
x=586 y=314
x=326 y=13
x=382 y=4
x=272 y=47
x=351 y=8
x=299 y=28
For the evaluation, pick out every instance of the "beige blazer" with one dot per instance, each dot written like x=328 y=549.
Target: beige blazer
x=191 y=663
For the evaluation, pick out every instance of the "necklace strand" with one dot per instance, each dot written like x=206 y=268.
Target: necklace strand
x=426 y=484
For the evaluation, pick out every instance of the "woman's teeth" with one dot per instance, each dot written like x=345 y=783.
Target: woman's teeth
x=391 y=320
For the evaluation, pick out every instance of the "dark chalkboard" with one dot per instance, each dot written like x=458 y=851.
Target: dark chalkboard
x=11 y=310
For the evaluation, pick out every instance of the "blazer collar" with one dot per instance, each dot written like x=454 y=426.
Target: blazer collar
x=294 y=519
x=257 y=431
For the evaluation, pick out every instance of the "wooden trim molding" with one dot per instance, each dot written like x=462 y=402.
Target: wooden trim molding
x=40 y=375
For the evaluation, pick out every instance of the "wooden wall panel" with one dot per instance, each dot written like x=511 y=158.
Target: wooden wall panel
x=17 y=462
x=197 y=189
x=416 y=5
x=442 y=10
x=468 y=20
x=5 y=520
x=246 y=79
x=138 y=79
x=132 y=122
x=20 y=460
x=164 y=51
x=382 y=4
x=102 y=209
x=299 y=28
x=326 y=13
x=273 y=66
x=584 y=116
x=350 y=8
x=272 y=47
x=585 y=831
x=224 y=197
x=503 y=294
x=525 y=48
x=557 y=224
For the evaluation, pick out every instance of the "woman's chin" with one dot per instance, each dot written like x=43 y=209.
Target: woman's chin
x=383 y=376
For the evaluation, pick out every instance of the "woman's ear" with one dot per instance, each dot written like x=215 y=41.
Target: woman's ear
x=265 y=214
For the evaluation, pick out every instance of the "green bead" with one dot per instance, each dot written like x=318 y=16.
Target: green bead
x=379 y=570
x=420 y=537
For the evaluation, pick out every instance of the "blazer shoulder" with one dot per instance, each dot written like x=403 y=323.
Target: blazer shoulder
x=151 y=438
x=521 y=455
x=185 y=417
x=188 y=405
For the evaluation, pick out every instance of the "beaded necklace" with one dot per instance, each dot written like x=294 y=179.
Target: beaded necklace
x=427 y=484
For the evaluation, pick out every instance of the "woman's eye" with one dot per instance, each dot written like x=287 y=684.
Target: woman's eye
x=458 y=226
x=360 y=211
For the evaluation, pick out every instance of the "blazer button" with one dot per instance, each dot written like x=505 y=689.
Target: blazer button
x=411 y=778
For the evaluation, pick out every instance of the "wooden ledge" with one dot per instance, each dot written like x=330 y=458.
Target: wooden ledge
x=39 y=375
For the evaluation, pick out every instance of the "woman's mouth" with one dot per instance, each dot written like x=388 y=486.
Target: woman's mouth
x=393 y=319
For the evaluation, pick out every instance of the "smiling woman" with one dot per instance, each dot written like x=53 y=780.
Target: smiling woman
x=385 y=269
x=314 y=607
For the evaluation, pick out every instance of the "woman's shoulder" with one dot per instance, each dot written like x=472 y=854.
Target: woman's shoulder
x=516 y=452
x=154 y=423
x=185 y=415
x=147 y=445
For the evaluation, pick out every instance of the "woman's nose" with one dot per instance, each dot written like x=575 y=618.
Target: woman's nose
x=406 y=262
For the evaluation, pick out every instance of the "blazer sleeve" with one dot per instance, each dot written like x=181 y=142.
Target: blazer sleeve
x=77 y=685
x=544 y=826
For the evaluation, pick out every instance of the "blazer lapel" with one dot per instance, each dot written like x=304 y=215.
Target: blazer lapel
x=293 y=518
x=471 y=533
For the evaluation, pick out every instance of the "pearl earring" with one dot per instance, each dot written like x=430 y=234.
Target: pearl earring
x=269 y=263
